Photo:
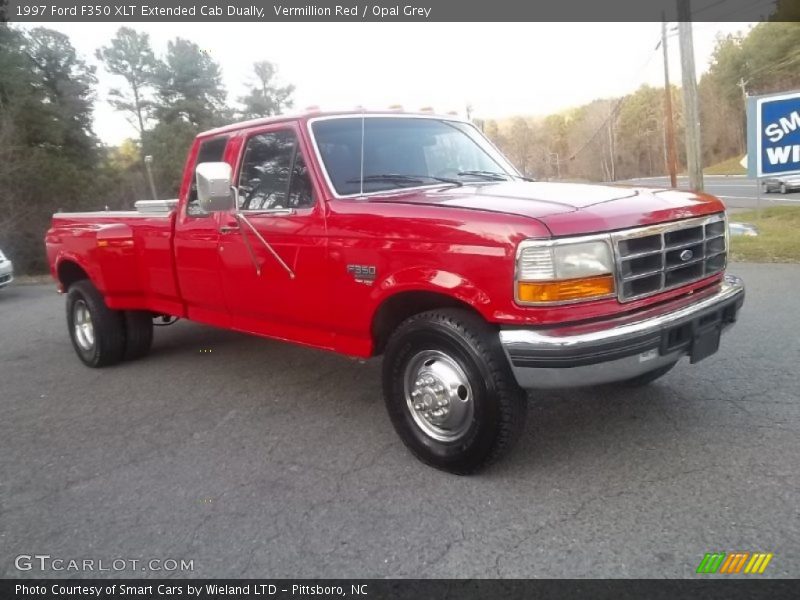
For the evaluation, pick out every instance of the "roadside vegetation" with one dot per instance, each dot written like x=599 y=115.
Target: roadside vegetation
x=732 y=166
x=778 y=238
x=613 y=139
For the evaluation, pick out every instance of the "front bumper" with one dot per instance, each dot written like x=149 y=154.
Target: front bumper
x=6 y=273
x=624 y=347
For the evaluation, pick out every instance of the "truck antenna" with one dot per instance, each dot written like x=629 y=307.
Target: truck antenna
x=361 y=179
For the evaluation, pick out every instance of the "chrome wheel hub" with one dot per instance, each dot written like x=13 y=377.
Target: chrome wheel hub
x=82 y=325
x=438 y=395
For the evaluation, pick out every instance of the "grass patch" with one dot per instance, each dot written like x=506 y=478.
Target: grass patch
x=778 y=237
x=726 y=167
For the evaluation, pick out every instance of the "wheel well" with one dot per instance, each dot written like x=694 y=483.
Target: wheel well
x=69 y=272
x=400 y=307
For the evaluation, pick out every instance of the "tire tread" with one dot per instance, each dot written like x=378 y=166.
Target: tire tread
x=511 y=398
x=138 y=333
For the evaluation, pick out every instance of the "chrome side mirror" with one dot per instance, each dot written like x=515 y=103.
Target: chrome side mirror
x=214 y=187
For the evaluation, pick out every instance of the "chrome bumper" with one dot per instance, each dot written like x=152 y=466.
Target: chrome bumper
x=624 y=347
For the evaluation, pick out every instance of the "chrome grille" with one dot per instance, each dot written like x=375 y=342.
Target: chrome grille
x=658 y=258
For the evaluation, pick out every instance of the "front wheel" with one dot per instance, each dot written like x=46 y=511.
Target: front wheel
x=783 y=188
x=97 y=332
x=449 y=391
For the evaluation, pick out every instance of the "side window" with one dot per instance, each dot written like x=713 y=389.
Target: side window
x=274 y=173
x=212 y=150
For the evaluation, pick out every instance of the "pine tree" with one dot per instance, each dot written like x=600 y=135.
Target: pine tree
x=189 y=86
x=66 y=83
x=265 y=98
x=130 y=56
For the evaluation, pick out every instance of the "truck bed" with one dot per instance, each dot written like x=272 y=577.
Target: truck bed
x=129 y=255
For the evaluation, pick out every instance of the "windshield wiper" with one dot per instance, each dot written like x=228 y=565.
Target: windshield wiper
x=495 y=176
x=412 y=179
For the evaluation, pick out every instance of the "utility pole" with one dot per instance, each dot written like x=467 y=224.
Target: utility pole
x=669 y=125
x=694 y=161
x=148 y=160
x=554 y=159
x=743 y=84
x=611 y=144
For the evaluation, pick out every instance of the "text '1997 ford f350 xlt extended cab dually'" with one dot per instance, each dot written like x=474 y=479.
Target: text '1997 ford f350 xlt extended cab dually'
x=411 y=237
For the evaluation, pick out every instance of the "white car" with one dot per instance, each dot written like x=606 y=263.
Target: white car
x=6 y=270
x=745 y=229
x=782 y=184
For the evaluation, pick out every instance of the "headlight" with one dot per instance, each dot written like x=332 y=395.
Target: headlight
x=2 y=256
x=553 y=271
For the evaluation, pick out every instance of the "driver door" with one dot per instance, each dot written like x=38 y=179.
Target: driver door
x=281 y=298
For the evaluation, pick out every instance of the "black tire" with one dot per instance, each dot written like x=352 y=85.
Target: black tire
x=138 y=333
x=499 y=405
x=650 y=377
x=107 y=344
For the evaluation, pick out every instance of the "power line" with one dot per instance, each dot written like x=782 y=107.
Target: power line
x=785 y=62
x=618 y=104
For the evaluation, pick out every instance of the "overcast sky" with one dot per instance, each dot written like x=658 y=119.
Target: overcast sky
x=501 y=69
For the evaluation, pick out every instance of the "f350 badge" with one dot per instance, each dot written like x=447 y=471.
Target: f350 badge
x=363 y=273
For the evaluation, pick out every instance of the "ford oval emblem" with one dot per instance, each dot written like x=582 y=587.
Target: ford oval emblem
x=686 y=255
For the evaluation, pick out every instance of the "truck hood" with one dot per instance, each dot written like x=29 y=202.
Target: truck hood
x=568 y=208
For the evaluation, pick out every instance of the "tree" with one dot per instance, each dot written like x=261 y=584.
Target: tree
x=168 y=143
x=521 y=144
x=764 y=60
x=592 y=140
x=492 y=130
x=772 y=57
x=265 y=98
x=48 y=152
x=641 y=134
x=21 y=98
x=65 y=83
x=555 y=145
x=130 y=56
x=189 y=86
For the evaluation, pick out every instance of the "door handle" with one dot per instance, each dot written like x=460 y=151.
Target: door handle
x=226 y=229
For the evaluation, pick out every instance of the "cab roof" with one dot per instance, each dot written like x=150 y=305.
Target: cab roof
x=314 y=114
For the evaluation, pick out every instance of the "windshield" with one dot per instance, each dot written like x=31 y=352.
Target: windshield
x=403 y=152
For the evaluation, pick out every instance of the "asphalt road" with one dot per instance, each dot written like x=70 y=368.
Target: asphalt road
x=256 y=458
x=734 y=191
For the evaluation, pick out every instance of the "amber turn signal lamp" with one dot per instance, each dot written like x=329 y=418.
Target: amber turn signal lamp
x=569 y=289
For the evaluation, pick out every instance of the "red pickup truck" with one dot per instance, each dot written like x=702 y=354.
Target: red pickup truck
x=412 y=237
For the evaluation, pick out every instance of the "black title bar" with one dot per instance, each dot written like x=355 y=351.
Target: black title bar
x=399 y=589
x=143 y=11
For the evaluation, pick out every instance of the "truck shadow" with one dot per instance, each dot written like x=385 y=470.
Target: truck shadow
x=586 y=428
x=562 y=424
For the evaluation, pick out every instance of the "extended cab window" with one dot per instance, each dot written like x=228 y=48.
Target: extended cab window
x=274 y=173
x=212 y=150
